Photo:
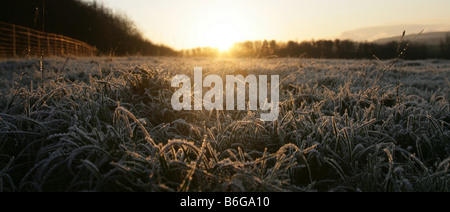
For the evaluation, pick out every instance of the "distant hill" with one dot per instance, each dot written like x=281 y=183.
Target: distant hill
x=373 y=33
x=431 y=38
x=92 y=23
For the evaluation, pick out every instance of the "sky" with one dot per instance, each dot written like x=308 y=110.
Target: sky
x=183 y=24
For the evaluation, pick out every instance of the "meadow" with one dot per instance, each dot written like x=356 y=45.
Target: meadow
x=107 y=124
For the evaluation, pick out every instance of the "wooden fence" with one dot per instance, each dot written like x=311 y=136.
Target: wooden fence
x=17 y=41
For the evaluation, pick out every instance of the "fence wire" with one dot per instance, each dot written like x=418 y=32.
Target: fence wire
x=18 y=41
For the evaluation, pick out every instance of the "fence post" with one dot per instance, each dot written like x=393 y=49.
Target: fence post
x=55 y=45
x=14 y=40
x=48 y=45
x=68 y=47
x=29 y=44
x=39 y=43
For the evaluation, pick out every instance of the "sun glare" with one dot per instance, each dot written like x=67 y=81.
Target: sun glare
x=220 y=25
x=222 y=36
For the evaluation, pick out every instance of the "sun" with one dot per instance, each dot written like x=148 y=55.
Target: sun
x=219 y=24
x=222 y=36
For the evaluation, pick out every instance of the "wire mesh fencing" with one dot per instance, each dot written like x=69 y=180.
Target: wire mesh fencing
x=18 y=41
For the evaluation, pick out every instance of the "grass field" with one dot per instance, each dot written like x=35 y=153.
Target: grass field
x=107 y=124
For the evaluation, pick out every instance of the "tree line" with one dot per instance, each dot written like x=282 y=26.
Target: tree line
x=92 y=23
x=328 y=49
x=115 y=34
